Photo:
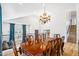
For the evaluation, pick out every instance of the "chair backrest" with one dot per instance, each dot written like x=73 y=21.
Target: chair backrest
x=20 y=50
x=15 y=49
x=5 y=45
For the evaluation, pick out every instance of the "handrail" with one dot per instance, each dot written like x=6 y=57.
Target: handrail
x=68 y=29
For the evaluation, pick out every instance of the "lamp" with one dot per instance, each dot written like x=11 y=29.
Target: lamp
x=45 y=17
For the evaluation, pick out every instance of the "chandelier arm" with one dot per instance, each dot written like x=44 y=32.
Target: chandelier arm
x=45 y=17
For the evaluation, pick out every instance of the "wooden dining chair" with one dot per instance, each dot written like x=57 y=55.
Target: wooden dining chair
x=20 y=50
x=15 y=49
x=57 y=45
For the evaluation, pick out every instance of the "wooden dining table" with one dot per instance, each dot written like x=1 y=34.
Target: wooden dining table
x=34 y=49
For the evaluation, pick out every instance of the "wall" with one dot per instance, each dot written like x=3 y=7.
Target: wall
x=73 y=17
x=59 y=19
x=56 y=25
x=74 y=21
x=77 y=7
x=5 y=31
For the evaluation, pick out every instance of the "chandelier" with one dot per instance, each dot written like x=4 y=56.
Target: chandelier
x=45 y=17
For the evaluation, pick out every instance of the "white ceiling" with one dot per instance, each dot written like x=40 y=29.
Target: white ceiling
x=15 y=10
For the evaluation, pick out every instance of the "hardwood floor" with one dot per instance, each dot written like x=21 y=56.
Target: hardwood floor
x=70 y=49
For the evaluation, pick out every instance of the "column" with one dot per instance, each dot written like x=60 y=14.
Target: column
x=24 y=33
x=12 y=35
x=0 y=30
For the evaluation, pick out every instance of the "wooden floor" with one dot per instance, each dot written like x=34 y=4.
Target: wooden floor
x=69 y=50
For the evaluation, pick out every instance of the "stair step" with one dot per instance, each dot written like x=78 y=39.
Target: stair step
x=72 y=34
x=73 y=26
x=71 y=40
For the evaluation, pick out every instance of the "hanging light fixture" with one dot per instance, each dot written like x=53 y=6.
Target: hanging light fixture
x=45 y=17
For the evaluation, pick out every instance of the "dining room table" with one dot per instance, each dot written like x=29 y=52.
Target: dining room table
x=36 y=49
x=33 y=50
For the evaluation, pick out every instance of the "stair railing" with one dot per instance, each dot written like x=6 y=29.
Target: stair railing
x=68 y=28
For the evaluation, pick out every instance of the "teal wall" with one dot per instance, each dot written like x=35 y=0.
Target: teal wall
x=0 y=30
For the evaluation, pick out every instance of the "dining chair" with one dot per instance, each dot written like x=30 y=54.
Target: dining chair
x=15 y=49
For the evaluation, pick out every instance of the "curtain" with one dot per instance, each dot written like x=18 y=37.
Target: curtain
x=12 y=35
x=0 y=30
x=24 y=33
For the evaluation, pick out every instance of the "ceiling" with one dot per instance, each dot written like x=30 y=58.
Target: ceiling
x=16 y=10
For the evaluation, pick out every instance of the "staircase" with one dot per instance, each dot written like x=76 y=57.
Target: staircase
x=72 y=34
